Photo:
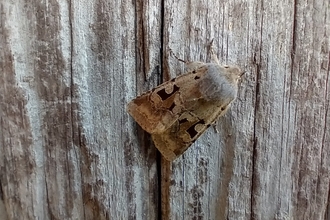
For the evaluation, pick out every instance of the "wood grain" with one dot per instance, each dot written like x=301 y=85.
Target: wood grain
x=69 y=150
x=271 y=158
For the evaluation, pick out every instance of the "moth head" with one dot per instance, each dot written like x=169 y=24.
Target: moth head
x=234 y=72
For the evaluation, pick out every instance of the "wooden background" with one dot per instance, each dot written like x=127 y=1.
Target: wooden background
x=69 y=150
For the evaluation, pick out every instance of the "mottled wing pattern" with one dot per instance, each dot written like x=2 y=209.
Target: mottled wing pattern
x=157 y=110
x=189 y=126
x=178 y=111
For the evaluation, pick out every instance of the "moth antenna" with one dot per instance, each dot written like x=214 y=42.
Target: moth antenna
x=173 y=54
x=214 y=57
x=215 y=127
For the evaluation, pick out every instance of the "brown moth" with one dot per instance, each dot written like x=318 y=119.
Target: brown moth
x=178 y=111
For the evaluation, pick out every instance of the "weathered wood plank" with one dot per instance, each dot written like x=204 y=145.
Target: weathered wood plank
x=38 y=160
x=200 y=179
x=67 y=72
x=69 y=150
x=122 y=171
x=270 y=160
x=310 y=100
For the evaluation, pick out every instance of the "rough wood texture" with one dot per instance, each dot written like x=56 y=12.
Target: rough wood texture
x=69 y=150
x=271 y=159
x=68 y=147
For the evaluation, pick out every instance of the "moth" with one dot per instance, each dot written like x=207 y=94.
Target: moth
x=178 y=111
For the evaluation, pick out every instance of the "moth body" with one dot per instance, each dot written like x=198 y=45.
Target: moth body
x=178 y=111
x=217 y=84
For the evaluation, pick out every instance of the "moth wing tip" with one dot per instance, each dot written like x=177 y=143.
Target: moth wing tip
x=162 y=147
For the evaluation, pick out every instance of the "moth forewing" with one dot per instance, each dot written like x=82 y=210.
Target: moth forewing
x=186 y=130
x=178 y=111
x=159 y=108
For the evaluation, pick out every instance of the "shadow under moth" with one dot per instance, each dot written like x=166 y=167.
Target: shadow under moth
x=178 y=111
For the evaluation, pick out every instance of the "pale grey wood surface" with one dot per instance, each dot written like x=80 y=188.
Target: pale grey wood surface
x=271 y=159
x=69 y=150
